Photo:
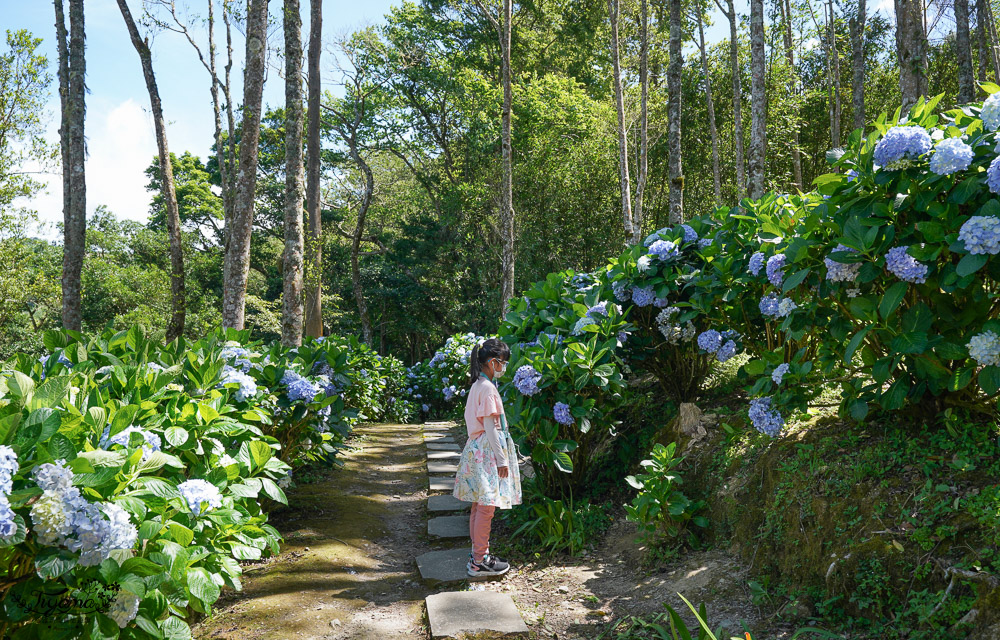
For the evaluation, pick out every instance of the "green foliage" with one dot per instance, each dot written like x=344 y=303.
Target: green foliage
x=661 y=509
x=559 y=526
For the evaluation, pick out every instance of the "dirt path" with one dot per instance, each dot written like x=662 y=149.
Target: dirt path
x=346 y=568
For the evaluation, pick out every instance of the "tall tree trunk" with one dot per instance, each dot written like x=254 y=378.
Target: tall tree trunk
x=675 y=169
x=623 y=177
x=982 y=39
x=786 y=18
x=963 y=53
x=62 y=46
x=177 y=296
x=857 y=26
x=911 y=51
x=225 y=179
x=506 y=188
x=237 y=260
x=991 y=37
x=291 y=320
x=640 y=187
x=229 y=204
x=358 y=236
x=758 y=99
x=835 y=109
x=734 y=61
x=314 y=245
x=710 y=103
x=75 y=205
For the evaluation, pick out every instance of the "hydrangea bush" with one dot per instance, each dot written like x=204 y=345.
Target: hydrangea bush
x=144 y=471
x=438 y=385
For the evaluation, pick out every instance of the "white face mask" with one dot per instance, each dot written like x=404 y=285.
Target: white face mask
x=498 y=371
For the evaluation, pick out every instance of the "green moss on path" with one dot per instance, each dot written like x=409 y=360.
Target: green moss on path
x=346 y=569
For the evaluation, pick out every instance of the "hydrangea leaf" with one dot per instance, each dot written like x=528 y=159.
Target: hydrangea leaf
x=970 y=264
x=989 y=379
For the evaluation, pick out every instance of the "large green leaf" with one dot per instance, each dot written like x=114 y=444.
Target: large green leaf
x=201 y=586
x=970 y=264
x=892 y=298
x=910 y=342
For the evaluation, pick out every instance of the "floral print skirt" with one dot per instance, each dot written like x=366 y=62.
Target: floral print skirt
x=477 y=479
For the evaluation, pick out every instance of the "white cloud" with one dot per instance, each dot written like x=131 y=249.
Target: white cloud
x=120 y=145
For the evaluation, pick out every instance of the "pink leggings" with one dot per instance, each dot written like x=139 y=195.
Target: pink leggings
x=479 y=529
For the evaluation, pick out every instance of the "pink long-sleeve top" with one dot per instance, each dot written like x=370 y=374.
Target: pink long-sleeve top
x=483 y=408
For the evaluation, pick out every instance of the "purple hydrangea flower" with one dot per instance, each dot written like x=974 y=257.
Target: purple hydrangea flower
x=643 y=296
x=779 y=372
x=769 y=305
x=690 y=235
x=765 y=419
x=841 y=271
x=710 y=341
x=900 y=146
x=664 y=250
x=756 y=263
x=200 y=495
x=705 y=243
x=981 y=235
x=852 y=175
x=8 y=467
x=951 y=155
x=561 y=413
x=599 y=309
x=302 y=389
x=661 y=303
x=904 y=266
x=621 y=291
x=526 y=380
x=726 y=351
x=775 y=266
x=993 y=175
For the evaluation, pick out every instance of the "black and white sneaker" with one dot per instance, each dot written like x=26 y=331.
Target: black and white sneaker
x=490 y=566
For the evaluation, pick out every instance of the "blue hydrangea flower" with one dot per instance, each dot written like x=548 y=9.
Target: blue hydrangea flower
x=152 y=440
x=643 y=296
x=710 y=341
x=951 y=155
x=653 y=237
x=622 y=336
x=705 y=243
x=769 y=305
x=124 y=609
x=852 y=175
x=981 y=235
x=526 y=380
x=200 y=495
x=8 y=467
x=53 y=477
x=901 y=146
x=690 y=235
x=599 y=309
x=990 y=113
x=985 y=348
x=581 y=324
x=785 y=307
x=664 y=250
x=904 y=266
x=239 y=356
x=7 y=525
x=425 y=408
x=993 y=175
x=779 y=372
x=661 y=303
x=621 y=291
x=154 y=366
x=765 y=419
x=561 y=413
x=756 y=263
x=644 y=263
x=841 y=271
x=775 y=266
x=726 y=351
x=449 y=393
x=247 y=385
x=302 y=389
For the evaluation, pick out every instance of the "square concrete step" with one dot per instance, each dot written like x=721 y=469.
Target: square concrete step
x=437 y=445
x=448 y=527
x=445 y=483
x=454 y=614
x=436 y=466
x=437 y=426
x=443 y=455
x=446 y=503
x=436 y=437
x=449 y=565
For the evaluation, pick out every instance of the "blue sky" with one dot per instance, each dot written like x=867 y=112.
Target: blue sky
x=119 y=130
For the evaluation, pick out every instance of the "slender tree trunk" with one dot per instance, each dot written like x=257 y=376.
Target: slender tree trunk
x=758 y=99
x=506 y=188
x=734 y=61
x=366 y=200
x=982 y=39
x=75 y=211
x=237 y=261
x=675 y=169
x=220 y=155
x=857 y=26
x=231 y=158
x=963 y=53
x=911 y=51
x=640 y=189
x=710 y=103
x=177 y=295
x=991 y=37
x=786 y=18
x=291 y=321
x=62 y=46
x=314 y=245
x=835 y=51
x=626 y=187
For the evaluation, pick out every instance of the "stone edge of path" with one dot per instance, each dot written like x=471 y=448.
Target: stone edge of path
x=452 y=614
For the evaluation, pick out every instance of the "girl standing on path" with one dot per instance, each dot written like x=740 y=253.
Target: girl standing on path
x=488 y=475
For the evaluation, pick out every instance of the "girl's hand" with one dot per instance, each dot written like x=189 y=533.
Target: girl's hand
x=503 y=472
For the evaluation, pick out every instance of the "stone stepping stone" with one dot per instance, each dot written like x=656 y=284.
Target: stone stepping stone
x=446 y=483
x=454 y=614
x=448 y=527
x=446 y=503
x=441 y=467
x=435 y=437
x=445 y=566
x=443 y=455
x=437 y=445
x=437 y=427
